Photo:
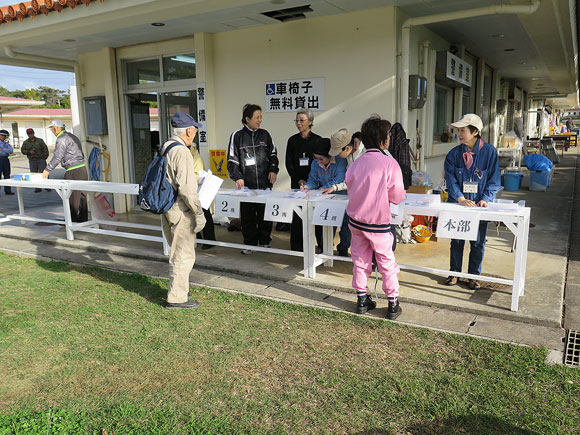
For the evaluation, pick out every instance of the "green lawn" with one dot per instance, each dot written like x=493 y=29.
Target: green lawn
x=86 y=350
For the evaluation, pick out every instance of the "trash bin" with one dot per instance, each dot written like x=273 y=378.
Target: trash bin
x=512 y=180
x=540 y=180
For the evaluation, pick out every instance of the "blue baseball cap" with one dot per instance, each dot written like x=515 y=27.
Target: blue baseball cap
x=184 y=120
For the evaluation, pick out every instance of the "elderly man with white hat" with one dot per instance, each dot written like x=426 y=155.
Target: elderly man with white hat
x=69 y=154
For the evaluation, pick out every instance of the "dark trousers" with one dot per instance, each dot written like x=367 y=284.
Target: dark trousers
x=475 y=253
x=208 y=232
x=296 y=239
x=320 y=238
x=79 y=211
x=255 y=229
x=5 y=172
x=345 y=236
x=37 y=165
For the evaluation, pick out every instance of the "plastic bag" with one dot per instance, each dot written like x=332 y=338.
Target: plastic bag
x=404 y=230
x=538 y=162
x=421 y=178
x=102 y=210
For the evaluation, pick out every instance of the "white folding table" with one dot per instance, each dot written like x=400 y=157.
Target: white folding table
x=517 y=221
x=64 y=188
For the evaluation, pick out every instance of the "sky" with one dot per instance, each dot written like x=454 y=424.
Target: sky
x=13 y=78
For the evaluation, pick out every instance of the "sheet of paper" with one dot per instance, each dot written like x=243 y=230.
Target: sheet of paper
x=209 y=189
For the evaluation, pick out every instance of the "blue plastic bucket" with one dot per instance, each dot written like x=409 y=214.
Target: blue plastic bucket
x=512 y=181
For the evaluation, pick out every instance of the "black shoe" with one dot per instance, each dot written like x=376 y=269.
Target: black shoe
x=394 y=310
x=206 y=247
x=343 y=253
x=9 y=193
x=37 y=190
x=364 y=304
x=182 y=305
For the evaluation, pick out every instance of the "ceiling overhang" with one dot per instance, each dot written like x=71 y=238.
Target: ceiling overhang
x=542 y=56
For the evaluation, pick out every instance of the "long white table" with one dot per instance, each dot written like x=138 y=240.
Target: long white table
x=516 y=221
x=300 y=207
x=64 y=188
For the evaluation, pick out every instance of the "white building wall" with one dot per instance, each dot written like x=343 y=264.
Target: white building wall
x=355 y=53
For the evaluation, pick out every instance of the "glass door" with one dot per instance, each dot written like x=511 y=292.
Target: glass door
x=173 y=102
x=144 y=131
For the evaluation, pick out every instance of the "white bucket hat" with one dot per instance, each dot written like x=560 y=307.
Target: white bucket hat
x=469 y=119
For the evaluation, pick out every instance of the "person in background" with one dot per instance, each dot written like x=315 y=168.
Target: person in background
x=472 y=176
x=374 y=178
x=5 y=151
x=325 y=171
x=342 y=145
x=69 y=154
x=298 y=161
x=208 y=232
x=37 y=152
x=185 y=218
x=253 y=163
x=570 y=125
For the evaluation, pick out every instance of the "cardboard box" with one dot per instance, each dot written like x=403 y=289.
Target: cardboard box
x=420 y=189
x=30 y=176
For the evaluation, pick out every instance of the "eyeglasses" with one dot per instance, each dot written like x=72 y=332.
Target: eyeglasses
x=300 y=121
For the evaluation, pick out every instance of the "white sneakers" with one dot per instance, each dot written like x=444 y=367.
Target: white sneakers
x=251 y=251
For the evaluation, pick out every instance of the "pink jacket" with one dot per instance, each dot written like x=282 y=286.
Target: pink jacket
x=374 y=180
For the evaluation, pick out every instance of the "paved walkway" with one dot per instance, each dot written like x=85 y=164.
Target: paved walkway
x=426 y=301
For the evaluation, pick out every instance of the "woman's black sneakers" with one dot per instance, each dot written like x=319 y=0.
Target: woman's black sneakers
x=364 y=304
x=394 y=309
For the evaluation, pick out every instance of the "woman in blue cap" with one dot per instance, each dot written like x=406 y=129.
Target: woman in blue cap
x=472 y=175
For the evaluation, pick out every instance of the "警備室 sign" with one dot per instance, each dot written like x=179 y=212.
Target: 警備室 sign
x=292 y=95
x=201 y=115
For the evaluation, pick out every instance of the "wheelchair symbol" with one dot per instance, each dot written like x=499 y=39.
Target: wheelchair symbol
x=270 y=89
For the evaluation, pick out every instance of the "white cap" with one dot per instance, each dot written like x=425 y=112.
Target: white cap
x=56 y=123
x=469 y=119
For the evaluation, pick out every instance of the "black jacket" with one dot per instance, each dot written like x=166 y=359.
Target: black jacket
x=296 y=148
x=247 y=144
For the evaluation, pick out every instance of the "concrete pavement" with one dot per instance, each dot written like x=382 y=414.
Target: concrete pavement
x=426 y=301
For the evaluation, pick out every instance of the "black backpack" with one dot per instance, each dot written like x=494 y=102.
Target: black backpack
x=156 y=194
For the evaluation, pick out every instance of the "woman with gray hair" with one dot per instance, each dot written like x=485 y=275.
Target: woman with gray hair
x=298 y=162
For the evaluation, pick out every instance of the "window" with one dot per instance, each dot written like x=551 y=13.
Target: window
x=468 y=102
x=179 y=67
x=443 y=110
x=143 y=72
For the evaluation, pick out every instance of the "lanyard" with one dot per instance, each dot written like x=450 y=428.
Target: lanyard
x=473 y=170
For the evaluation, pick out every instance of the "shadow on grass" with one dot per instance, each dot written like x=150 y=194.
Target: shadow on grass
x=89 y=263
x=467 y=424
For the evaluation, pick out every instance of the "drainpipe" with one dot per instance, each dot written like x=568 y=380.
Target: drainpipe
x=438 y=18
x=424 y=110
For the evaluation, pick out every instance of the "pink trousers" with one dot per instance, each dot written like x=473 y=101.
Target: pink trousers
x=362 y=246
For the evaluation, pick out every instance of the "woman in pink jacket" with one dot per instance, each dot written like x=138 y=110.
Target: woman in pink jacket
x=374 y=181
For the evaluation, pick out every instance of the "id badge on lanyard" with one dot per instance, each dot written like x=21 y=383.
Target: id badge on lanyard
x=304 y=161
x=472 y=186
x=250 y=161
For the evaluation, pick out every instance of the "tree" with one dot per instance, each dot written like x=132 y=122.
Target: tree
x=53 y=98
